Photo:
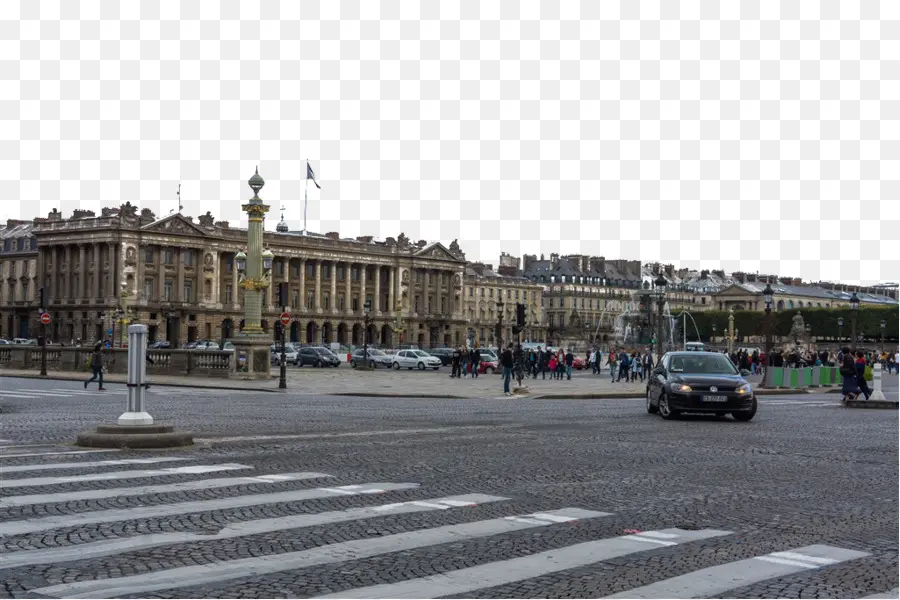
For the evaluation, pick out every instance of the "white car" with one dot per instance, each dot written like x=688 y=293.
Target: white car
x=290 y=353
x=416 y=359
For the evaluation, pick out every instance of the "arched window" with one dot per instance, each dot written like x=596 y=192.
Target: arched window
x=780 y=305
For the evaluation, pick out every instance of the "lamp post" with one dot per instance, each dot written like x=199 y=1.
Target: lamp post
x=840 y=331
x=713 y=340
x=251 y=352
x=768 y=299
x=730 y=330
x=660 y=305
x=883 y=327
x=808 y=338
x=499 y=326
x=397 y=327
x=124 y=294
x=367 y=306
x=854 y=307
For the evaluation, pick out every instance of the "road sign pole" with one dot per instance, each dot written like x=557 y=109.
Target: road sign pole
x=282 y=381
x=45 y=320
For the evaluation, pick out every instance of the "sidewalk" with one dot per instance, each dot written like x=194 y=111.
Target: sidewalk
x=345 y=381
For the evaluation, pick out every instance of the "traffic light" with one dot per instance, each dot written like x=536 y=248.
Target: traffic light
x=520 y=314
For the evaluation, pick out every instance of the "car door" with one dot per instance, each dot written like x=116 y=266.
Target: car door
x=657 y=379
x=404 y=359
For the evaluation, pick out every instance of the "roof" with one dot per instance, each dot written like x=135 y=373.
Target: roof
x=810 y=291
x=16 y=231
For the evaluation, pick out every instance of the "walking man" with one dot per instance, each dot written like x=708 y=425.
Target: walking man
x=506 y=361
x=97 y=366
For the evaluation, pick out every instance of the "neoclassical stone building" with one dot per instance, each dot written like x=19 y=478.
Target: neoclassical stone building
x=178 y=277
x=483 y=292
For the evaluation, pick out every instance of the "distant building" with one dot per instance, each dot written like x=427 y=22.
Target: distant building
x=483 y=291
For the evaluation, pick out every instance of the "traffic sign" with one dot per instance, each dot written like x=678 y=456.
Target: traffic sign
x=45 y=318
x=285 y=318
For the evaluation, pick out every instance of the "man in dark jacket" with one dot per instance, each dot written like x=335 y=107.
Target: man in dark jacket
x=542 y=363
x=454 y=369
x=475 y=361
x=570 y=359
x=506 y=362
x=97 y=366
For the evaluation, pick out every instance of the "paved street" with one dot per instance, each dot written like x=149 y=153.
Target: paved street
x=296 y=495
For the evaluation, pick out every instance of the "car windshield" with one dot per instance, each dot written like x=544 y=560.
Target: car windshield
x=710 y=364
x=371 y=351
x=324 y=351
x=420 y=353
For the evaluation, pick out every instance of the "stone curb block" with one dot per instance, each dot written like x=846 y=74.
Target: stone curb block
x=884 y=404
x=152 y=384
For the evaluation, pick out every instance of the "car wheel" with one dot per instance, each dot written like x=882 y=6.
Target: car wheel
x=352 y=364
x=489 y=370
x=318 y=363
x=373 y=365
x=396 y=366
x=745 y=415
x=664 y=410
x=421 y=366
x=650 y=408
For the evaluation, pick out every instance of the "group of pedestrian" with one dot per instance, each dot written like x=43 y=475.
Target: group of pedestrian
x=465 y=362
x=629 y=366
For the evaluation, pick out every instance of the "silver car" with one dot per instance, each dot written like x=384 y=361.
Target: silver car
x=377 y=358
x=290 y=353
x=415 y=359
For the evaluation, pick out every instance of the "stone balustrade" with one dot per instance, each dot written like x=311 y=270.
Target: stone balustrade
x=204 y=363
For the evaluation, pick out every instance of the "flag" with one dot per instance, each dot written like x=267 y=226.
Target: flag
x=311 y=175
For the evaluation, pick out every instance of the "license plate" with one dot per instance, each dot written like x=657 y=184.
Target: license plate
x=715 y=398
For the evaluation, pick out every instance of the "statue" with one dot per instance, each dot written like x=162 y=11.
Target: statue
x=798 y=328
x=128 y=210
x=146 y=214
x=206 y=220
x=454 y=247
x=402 y=240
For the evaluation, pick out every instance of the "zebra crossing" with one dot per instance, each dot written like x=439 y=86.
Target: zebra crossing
x=89 y=503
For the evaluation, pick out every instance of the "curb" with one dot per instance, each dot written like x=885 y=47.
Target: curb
x=152 y=384
x=883 y=404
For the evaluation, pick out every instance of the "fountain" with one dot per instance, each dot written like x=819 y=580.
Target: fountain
x=636 y=324
x=683 y=315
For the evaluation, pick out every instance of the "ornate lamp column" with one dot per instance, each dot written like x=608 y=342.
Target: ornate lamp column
x=730 y=330
x=840 y=332
x=251 y=347
x=854 y=306
x=768 y=298
x=661 y=304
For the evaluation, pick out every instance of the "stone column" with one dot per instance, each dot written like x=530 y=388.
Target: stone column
x=303 y=285
x=82 y=271
x=161 y=275
x=54 y=275
x=179 y=281
x=138 y=291
x=67 y=288
x=318 y=286
x=376 y=306
x=392 y=302
x=111 y=288
x=333 y=270
x=348 y=289
x=362 y=288
x=98 y=274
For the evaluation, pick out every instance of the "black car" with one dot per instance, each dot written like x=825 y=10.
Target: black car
x=705 y=382
x=316 y=356
x=445 y=354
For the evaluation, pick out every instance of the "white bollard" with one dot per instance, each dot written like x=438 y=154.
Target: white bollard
x=877 y=394
x=137 y=371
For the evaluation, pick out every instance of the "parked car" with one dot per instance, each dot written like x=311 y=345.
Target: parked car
x=705 y=382
x=416 y=359
x=578 y=363
x=228 y=347
x=4 y=342
x=445 y=354
x=160 y=346
x=487 y=367
x=377 y=358
x=316 y=356
x=290 y=353
x=205 y=345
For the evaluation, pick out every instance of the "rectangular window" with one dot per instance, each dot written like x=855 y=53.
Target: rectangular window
x=310 y=299
x=491 y=292
x=416 y=304
x=326 y=272
x=310 y=269
x=482 y=292
x=296 y=270
x=279 y=268
x=229 y=264
x=148 y=256
x=509 y=294
x=354 y=273
x=340 y=300
x=354 y=302
x=148 y=289
x=443 y=304
x=552 y=320
x=326 y=300
x=188 y=257
x=188 y=288
x=471 y=291
x=167 y=290
x=342 y=273
x=295 y=299
x=167 y=256
x=533 y=296
x=228 y=294
x=369 y=300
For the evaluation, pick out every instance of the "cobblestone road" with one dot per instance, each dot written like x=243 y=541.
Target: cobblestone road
x=292 y=496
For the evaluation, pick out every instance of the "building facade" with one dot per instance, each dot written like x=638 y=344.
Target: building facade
x=488 y=294
x=179 y=278
x=18 y=278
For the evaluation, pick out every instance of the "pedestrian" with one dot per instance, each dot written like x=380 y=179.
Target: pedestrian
x=570 y=360
x=639 y=365
x=474 y=360
x=592 y=360
x=862 y=369
x=506 y=361
x=552 y=366
x=454 y=369
x=543 y=358
x=612 y=362
x=96 y=367
x=849 y=385
x=560 y=364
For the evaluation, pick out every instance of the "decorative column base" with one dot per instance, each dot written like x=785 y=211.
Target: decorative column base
x=250 y=360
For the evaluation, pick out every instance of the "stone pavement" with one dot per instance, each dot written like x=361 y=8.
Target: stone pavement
x=311 y=496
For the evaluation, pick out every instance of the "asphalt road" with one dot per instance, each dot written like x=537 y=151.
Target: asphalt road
x=290 y=496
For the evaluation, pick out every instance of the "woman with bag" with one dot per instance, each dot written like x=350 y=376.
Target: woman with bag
x=863 y=374
x=849 y=386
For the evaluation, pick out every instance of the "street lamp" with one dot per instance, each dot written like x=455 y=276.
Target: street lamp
x=883 y=326
x=240 y=260
x=660 y=305
x=713 y=340
x=854 y=307
x=768 y=299
x=367 y=306
x=808 y=337
x=730 y=330
x=499 y=326
x=267 y=257
x=840 y=331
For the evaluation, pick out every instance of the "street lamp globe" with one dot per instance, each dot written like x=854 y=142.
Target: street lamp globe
x=883 y=324
x=241 y=260
x=854 y=302
x=267 y=257
x=768 y=294
x=500 y=305
x=840 y=321
x=660 y=286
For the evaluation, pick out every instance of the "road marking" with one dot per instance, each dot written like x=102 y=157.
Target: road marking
x=219 y=571
x=888 y=595
x=718 y=580
x=180 y=508
x=351 y=434
x=504 y=572
x=14 y=395
x=89 y=465
x=13 y=560
x=31 y=454
x=191 y=470
x=140 y=490
x=46 y=393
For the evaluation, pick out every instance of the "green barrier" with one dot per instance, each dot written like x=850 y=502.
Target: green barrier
x=777 y=377
x=825 y=376
x=816 y=376
x=794 y=379
x=807 y=377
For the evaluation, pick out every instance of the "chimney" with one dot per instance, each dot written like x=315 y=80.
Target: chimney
x=366 y=239
x=670 y=270
x=333 y=235
x=528 y=260
x=598 y=263
x=739 y=276
x=797 y=281
x=704 y=274
x=222 y=224
x=554 y=259
x=507 y=270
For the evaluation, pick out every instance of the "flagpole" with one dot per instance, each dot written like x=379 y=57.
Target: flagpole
x=305 y=197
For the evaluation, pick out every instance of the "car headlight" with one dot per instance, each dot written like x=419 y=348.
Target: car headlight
x=680 y=388
x=744 y=389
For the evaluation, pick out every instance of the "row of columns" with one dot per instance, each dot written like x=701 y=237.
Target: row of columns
x=63 y=285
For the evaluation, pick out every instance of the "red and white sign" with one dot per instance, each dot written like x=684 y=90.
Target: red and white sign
x=45 y=318
x=285 y=318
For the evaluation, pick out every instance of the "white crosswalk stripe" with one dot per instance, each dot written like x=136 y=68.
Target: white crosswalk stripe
x=148 y=503
x=57 y=453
